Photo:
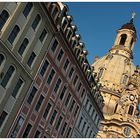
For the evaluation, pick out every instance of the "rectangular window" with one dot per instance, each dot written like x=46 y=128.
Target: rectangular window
x=58 y=83
x=53 y=117
x=44 y=68
x=71 y=72
x=32 y=94
x=68 y=99
x=47 y=111
x=60 y=55
x=75 y=80
x=37 y=134
x=87 y=102
x=43 y=35
x=17 y=127
x=83 y=127
x=79 y=87
x=68 y=133
x=27 y=130
x=87 y=131
x=39 y=103
x=64 y=24
x=50 y=77
x=58 y=123
x=54 y=45
x=90 y=133
x=66 y=64
x=89 y=108
x=76 y=111
x=92 y=112
x=72 y=105
x=36 y=21
x=82 y=94
x=63 y=92
x=3 y=117
x=80 y=121
x=63 y=129
x=31 y=59
x=17 y=87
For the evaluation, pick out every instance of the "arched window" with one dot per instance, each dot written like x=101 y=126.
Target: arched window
x=23 y=46
x=1 y=59
x=7 y=76
x=100 y=72
x=54 y=12
x=125 y=78
x=131 y=109
x=123 y=39
x=3 y=18
x=13 y=34
x=115 y=108
x=27 y=9
x=36 y=21
x=132 y=40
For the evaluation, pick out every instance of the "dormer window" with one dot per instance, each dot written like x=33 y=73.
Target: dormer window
x=64 y=24
x=123 y=39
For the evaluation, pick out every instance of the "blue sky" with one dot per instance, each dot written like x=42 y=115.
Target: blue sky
x=98 y=22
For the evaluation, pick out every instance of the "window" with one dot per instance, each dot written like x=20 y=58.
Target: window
x=75 y=80
x=131 y=109
x=50 y=77
x=13 y=34
x=64 y=128
x=1 y=59
x=47 y=111
x=63 y=92
x=39 y=103
x=87 y=101
x=27 y=9
x=58 y=83
x=83 y=127
x=44 y=68
x=3 y=18
x=89 y=108
x=60 y=55
x=80 y=121
x=54 y=45
x=3 y=117
x=92 y=112
x=72 y=105
x=36 y=21
x=132 y=40
x=68 y=133
x=54 y=12
x=17 y=87
x=76 y=111
x=115 y=108
x=58 y=123
x=17 y=127
x=23 y=46
x=100 y=72
x=68 y=99
x=27 y=131
x=66 y=64
x=125 y=78
x=79 y=87
x=53 y=117
x=83 y=93
x=86 y=131
x=32 y=94
x=123 y=39
x=64 y=24
x=31 y=59
x=37 y=134
x=90 y=133
x=43 y=35
x=7 y=76
x=71 y=72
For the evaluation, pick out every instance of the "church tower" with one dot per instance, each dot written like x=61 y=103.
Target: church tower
x=120 y=80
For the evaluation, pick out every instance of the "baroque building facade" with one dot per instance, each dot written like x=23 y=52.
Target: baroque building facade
x=120 y=89
x=45 y=78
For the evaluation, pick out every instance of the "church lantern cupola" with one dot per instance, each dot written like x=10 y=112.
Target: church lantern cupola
x=125 y=39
